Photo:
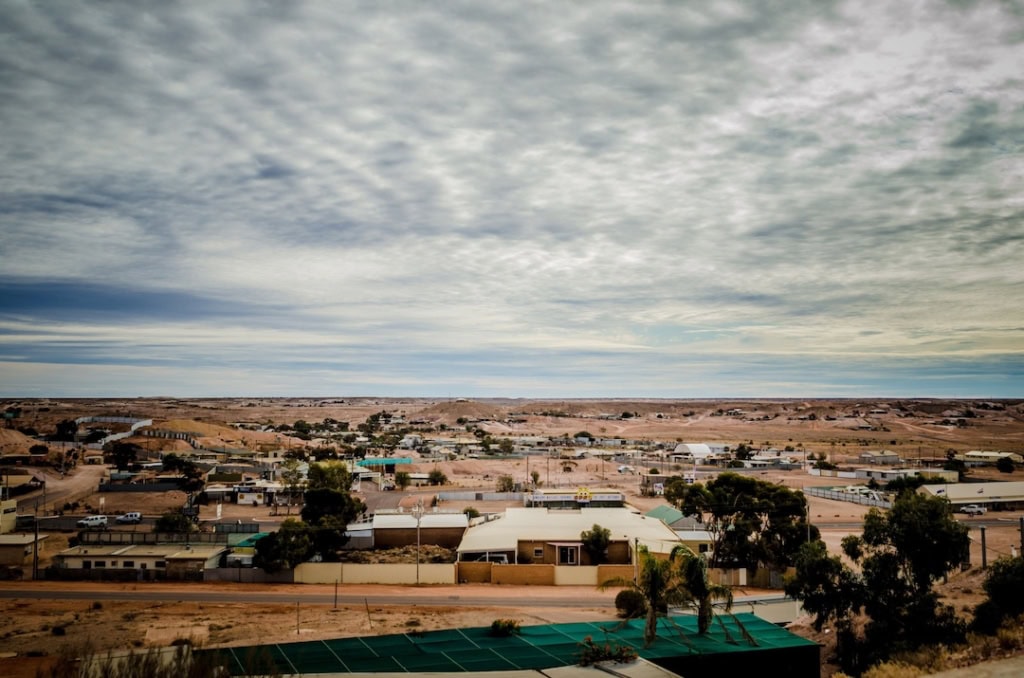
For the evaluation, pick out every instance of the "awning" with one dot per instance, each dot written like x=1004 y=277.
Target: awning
x=565 y=543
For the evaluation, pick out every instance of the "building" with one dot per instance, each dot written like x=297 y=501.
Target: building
x=553 y=536
x=148 y=561
x=577 y=498
x=989 y=458
x=391 y=530
x=878 y=457
x=16 y=549
x=993 y=496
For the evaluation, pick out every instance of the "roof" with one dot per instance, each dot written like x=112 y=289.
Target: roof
x=429 y=520
x=165 y=551
x=666 y=514
x=695 y=449
x=19 y=539
x=383 y=461
x=542 y=524
x=475 y=651
x=971 y=493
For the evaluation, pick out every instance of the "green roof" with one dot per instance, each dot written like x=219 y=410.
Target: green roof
x=474 y=650
x=383 y=461
x=665 y=514
x=252 y=539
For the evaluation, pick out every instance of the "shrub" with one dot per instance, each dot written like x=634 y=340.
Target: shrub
x=501 y=628
x=591 y=652
x=630 y=604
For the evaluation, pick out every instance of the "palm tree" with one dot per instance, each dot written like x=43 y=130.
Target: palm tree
x=700 y=592
x=680 y=579
x=659 y=584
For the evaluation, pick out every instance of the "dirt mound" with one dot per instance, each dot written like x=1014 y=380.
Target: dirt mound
x=450 y=412
x=15 y=442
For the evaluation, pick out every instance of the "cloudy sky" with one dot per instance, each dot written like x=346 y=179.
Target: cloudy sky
x=579 y=199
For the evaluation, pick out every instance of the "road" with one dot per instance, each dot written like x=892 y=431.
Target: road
x=80 y=483
x=460 y=596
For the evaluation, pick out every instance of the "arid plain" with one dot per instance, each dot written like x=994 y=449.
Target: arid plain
x=917 y=429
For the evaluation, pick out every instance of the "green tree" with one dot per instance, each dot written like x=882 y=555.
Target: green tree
x=700 y=592
x=290 y=545
x=753 y=522
x=437 y=477
x=67 y=429
x=291 y=474
x=1005 y=465
x=535 y=477
x=402 y=479
x=899 y=557
x=471 y=512
x=325 y=502
x=505 y=446
x=173 y=522
x=595 y=542
x=659 y=585
x=1005 y=588
x=329 y=475
x=506 y=484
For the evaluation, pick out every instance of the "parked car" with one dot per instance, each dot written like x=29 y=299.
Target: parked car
x=130 y=518
x=973 y=510
x=92 y=521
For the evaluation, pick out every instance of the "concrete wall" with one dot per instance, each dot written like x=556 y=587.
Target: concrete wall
x=351 y=573
x=523 y=575
x=576 y=576
x=474 y=573
x=609 y=572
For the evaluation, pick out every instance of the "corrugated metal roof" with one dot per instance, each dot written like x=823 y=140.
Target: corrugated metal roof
x=977 y=493
x=407 y=520
x=541 y=524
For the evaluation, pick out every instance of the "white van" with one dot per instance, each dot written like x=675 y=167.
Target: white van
x=93 y=521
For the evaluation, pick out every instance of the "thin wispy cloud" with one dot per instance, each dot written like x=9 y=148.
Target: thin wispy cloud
x=602 y=199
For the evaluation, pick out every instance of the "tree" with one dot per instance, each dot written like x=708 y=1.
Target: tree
x=402 y=479
x=291 y=474
x=753 y=522
x=437 y=477
x=595 y=542
x=124 y=454
x=535 y=477
x=325 y=502
x=290 y=545
x=1005 y=465
x=1005 y=588
x=506 y=484
x=173 y=522
x=67 y=429
x=899 y=557
x=680 y=579
x=700 y=592
x=329 y=475
x=505 y=446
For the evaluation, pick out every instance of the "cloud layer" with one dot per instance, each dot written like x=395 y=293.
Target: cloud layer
x=597 y=199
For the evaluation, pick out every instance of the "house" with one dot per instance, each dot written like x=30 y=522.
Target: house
x=691 y=532
x=878 y=457
x=552 y=536
x=392 y=530
x=148 y=561
x=980 y=458
x=16 y=549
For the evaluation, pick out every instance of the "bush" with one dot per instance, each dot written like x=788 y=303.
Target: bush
x=501 y=628
x=630 y=604
x=591 y=653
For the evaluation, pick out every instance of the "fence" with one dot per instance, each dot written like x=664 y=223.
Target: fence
x=852 y=497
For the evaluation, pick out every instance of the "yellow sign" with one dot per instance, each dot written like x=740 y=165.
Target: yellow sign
x=583 y=495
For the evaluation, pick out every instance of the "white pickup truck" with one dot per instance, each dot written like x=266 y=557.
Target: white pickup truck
x=973 y=510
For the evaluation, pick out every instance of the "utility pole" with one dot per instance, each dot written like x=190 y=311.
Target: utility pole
x=417 y=512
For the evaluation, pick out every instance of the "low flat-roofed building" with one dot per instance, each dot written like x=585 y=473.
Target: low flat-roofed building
x=884 y=475
x=574 y=498
x=879 y=457
x=552 y=536
x=16 y=549
x=982 y=457
x=392 y=530
x=173 y=561
x=996 y=496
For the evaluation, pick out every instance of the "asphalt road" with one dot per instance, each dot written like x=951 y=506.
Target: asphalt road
x=433 y=596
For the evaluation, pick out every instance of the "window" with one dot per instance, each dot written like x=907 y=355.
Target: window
x=538 y=552
x=86 y=564
x=702 y=548
x=128 y=563
x=160 y=563
x=100 y=563
x=568 y=555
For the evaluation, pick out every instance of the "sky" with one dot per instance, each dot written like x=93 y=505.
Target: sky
x=514 y=199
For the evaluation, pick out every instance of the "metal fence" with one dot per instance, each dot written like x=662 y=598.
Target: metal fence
x=852 y=497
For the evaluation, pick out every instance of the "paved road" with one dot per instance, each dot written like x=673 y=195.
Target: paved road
x=574 y=597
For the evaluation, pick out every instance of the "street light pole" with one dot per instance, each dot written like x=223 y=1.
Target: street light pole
x=417 y=512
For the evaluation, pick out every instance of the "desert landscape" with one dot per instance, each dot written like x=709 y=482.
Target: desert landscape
x=35 y=631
